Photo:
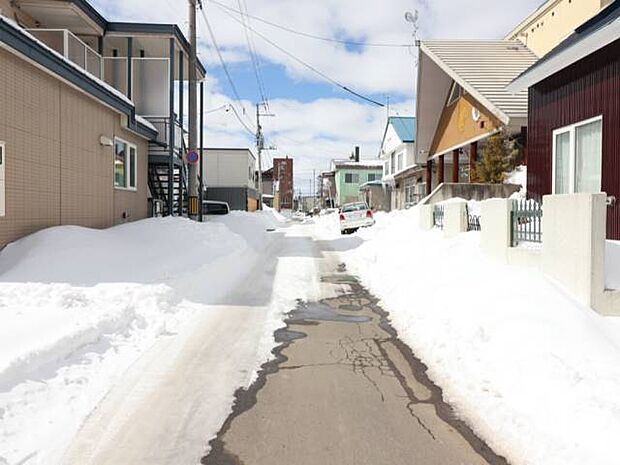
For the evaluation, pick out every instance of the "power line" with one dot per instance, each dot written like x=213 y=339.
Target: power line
x=221 y=58
x=252 y=51
x=312 y=36
x=226 y=71
x=302 y=62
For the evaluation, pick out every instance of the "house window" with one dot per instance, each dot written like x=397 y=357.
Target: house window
x=386 y=168
x=399 y=165
x=125 y=160
x=392 y=163
x=372 y=177
x=351 y=178
x=578 y=157
x=455 y=93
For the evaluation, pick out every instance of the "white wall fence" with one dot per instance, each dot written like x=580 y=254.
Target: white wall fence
x=573 y=242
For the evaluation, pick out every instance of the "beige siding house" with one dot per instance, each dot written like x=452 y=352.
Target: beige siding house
x=75 y=150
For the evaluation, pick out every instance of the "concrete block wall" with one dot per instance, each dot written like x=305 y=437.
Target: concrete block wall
x=455 y=218
x=495 y=227
x=426 y=217
x=573 y=248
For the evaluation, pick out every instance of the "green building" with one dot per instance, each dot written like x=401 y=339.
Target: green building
x=350 y=175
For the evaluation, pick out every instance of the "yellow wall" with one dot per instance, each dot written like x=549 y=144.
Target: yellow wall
x=553 y=22
x=457 y=126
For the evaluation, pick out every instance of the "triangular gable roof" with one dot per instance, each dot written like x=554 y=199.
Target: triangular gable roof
x=405 y=127
x=484 y=69
x=594 y=34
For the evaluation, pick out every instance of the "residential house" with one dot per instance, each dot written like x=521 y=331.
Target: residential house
x=327 y=189
x=403 y=173
x=267 y=180
x=229 y=175
x=553 y=21
x=283 y=183
x=574 y=115
x=89 y=132
x=375 y=196
x=349 y=175
x=462 y=100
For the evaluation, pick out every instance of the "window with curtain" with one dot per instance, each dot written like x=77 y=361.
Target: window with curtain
x=578 y=157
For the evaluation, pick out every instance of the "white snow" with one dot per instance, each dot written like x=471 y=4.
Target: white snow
x=79 y=306
x=536 y=374
x=519 y=177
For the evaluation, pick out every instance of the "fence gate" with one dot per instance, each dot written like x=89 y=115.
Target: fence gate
x=438 y=213
x=526 y=222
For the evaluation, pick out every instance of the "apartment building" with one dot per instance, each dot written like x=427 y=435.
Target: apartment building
x=90 y=131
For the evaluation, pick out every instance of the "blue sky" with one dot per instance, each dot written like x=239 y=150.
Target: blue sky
x=323 y=121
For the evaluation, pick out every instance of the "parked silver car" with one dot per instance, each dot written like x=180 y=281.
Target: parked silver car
x=354 y=216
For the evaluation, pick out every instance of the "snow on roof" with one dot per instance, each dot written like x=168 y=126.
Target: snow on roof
x=484 y=69
x=145 y=122
x=358 y=164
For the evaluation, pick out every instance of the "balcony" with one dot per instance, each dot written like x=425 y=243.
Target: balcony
x=72 y=48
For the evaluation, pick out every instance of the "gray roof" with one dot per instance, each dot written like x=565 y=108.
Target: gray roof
x=484 y=69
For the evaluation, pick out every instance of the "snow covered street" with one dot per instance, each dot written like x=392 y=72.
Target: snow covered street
x=80 y=307
x=118 y=347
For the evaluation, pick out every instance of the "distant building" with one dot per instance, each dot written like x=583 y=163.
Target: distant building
x=283 y=183
x=230 y=176
x=403 y=171
x=327 y=189
x=350 y=175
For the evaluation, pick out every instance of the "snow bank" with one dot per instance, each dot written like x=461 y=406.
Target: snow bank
x=535 y=373
x=79 y=306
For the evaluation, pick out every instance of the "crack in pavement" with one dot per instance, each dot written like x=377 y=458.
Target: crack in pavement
x=368 y=357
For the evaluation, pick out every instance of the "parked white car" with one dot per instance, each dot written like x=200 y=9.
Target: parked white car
x=354 y=216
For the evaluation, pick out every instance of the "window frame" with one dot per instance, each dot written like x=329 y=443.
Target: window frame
x=454 y=96
x=571 y=129
x=128 y=171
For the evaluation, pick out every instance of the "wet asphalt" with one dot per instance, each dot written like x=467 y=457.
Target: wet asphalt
x=342 y=389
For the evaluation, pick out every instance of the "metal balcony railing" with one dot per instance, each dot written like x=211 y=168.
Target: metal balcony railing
x=72 y=48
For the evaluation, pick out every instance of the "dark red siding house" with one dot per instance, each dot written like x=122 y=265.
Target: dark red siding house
x=574 y=115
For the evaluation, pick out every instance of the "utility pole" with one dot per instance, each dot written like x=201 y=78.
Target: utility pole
x=260 y=146
x=193 y=113
x=313 y=190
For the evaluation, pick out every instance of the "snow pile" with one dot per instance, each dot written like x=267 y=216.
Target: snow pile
x=79 y=306
x=536 y=373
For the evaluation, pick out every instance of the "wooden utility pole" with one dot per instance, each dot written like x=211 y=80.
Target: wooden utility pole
x=193 y=114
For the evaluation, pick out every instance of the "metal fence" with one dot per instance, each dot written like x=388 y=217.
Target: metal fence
x=526 y=222
x=438 y=214
x=473 y=221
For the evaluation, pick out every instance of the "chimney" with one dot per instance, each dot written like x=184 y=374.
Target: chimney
x=357 y=153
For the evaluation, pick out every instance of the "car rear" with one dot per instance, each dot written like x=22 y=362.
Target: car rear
x=354 y=216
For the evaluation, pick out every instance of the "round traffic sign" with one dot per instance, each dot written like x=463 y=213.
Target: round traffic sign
x=192 y=157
